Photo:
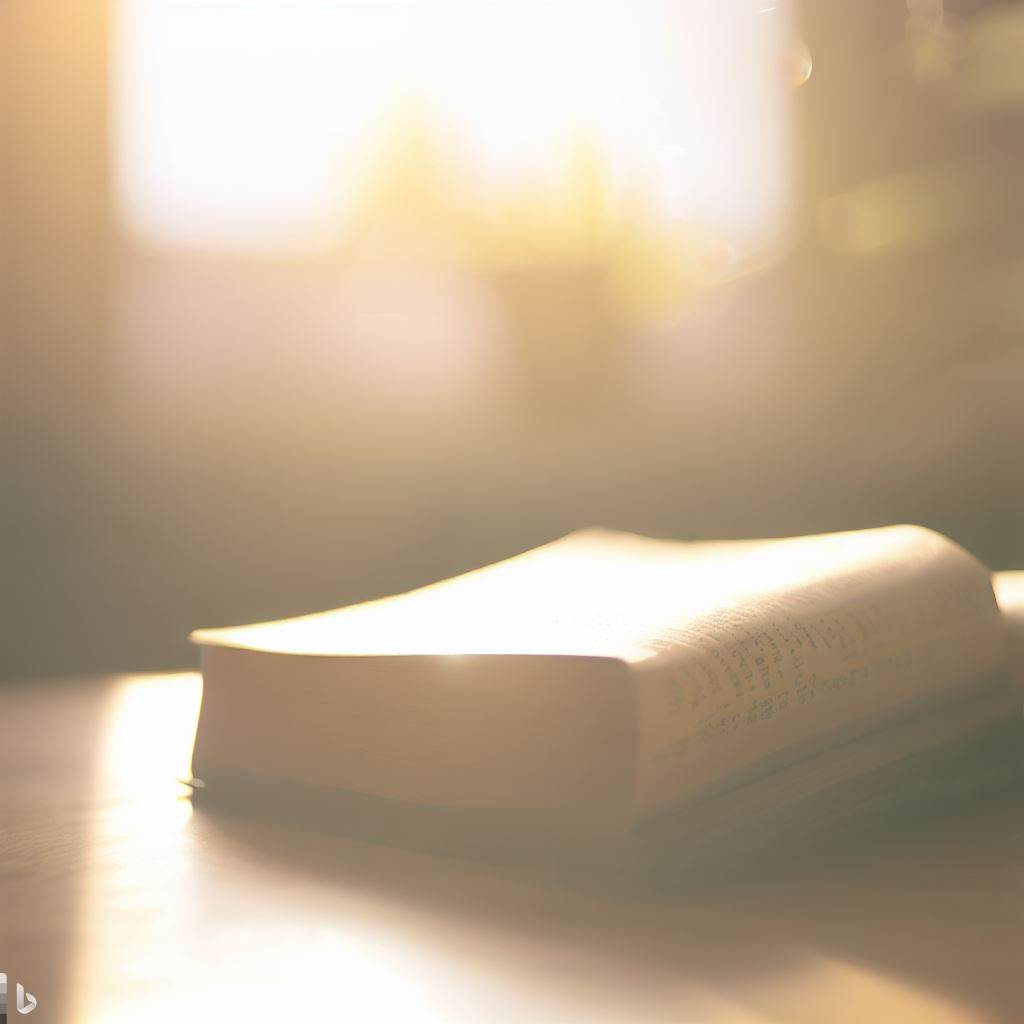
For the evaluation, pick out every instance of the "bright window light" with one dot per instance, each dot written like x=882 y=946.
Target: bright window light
x=247 y=125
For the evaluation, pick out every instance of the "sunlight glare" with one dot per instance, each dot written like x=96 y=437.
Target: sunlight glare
x=247 y=124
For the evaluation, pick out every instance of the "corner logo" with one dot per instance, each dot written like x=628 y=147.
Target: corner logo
x=25 y=1002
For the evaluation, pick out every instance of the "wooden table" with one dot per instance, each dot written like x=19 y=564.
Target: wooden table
x=119 y=903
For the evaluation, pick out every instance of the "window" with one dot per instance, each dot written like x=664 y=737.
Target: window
x=249 y=124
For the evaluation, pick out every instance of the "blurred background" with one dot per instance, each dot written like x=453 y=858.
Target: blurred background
x=308 y=301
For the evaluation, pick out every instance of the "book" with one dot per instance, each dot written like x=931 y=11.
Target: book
x=608 y=684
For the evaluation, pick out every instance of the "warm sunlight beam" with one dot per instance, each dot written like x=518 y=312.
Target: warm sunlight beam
x=246 y=125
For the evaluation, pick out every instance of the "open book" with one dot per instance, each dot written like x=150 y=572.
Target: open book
x=608 y=683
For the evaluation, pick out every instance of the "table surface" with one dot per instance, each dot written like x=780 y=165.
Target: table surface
x=120 y=902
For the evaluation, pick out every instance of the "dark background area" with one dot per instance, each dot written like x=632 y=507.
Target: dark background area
x=871 y=374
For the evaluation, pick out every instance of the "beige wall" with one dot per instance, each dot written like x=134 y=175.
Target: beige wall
x=54 y=298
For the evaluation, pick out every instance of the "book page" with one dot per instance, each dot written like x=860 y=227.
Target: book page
x=593 y=593
x=820 y=637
